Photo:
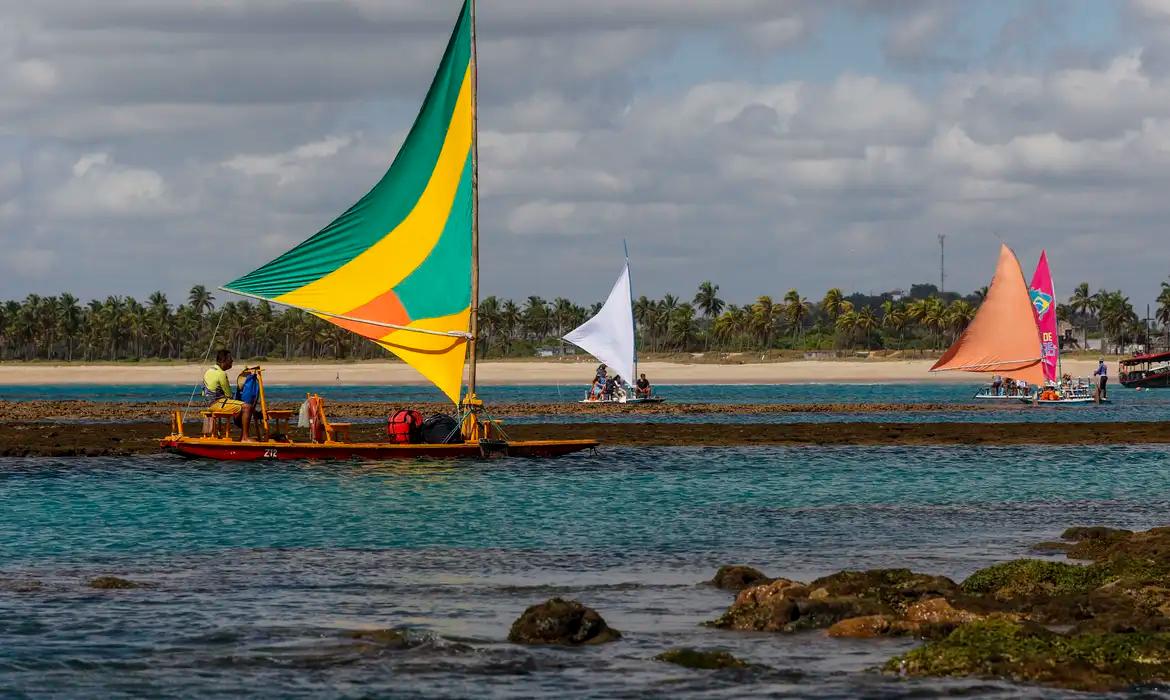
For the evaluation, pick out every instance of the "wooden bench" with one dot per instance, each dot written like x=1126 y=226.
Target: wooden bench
x=279 y=423
x=336 y=432
x=221 y=421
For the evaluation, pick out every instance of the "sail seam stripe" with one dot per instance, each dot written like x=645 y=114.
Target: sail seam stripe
x=380 y=324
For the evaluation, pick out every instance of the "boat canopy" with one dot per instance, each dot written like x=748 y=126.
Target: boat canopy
x=609 y=336
x=1002 y=337
x=1143 y=359
x=396 y=267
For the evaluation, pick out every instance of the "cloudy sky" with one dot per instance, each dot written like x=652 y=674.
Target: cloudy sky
x=761 y=144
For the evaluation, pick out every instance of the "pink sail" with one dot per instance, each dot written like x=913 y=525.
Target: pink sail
x=1044 y=305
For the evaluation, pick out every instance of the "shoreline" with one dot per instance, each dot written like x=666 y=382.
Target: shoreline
x=514 y=373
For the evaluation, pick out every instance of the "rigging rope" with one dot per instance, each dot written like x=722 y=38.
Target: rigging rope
x=210 y=345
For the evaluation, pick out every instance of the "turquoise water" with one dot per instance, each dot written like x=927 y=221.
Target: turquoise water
x=255 y=572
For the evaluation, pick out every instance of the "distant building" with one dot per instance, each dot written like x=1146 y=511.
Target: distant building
x=556 y=351
x=897 y=294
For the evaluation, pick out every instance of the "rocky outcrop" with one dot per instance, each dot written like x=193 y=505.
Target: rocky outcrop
x=737 y=577
x=789 y=606
x=112 y=583
x=1024 y=651
x=701 y=659
x=563 y=622
x=931 y=618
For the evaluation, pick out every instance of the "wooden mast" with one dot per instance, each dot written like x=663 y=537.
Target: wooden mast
x=474 y=328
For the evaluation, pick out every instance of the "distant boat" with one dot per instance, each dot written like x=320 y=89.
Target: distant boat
x=1005 y=338
x=1002 y=338
x=401 y=268
x=1149 y=371
x=609 y=336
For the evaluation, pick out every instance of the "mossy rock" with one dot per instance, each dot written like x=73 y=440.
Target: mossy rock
x=110 y=583
x=563 y=622
x=1032 y=578
x=701 y=659
x=1026 y=652
x=737 y=577
x=1093 y=543
x=891 y=588
x=389 y=638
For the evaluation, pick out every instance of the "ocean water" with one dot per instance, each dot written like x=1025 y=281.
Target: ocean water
x=255 y=573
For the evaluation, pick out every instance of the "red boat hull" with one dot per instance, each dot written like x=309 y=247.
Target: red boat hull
x=229 y=450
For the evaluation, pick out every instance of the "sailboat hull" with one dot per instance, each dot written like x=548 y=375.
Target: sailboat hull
x=651 y=399
x=230 y=450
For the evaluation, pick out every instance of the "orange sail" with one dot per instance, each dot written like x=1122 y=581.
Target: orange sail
x=1003 y=336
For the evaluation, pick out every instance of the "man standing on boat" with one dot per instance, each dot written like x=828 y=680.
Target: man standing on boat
x=1102 y=375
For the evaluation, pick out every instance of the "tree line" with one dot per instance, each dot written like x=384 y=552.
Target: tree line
x=61 y=328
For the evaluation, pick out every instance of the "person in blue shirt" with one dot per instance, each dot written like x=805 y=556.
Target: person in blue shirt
x=1102 y=375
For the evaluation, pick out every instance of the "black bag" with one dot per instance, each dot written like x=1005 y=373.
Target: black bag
x=441 y=429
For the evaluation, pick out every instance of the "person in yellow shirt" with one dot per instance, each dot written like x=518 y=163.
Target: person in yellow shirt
x=218 y=391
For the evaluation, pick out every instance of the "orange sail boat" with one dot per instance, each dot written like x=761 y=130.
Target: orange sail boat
x=401 y=268
x=1003 y=337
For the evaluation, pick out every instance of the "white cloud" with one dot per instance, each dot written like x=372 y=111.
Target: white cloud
x=99 y=186
x=291 y=165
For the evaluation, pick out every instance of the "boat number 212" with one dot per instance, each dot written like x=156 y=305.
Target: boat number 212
x=269 y=454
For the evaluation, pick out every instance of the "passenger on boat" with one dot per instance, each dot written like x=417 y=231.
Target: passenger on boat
x=595 y=389
x=1102 y=375
x=996 y=385
x=642 y=389
x=218 y=391
x=612 y=385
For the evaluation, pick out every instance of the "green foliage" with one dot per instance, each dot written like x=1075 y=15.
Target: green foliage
x=121 y=328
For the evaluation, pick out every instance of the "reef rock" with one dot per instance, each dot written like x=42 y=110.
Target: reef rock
x=564 y=622
x=788 y=606
x=768 y=607
x=1022 y=651
x=737 y=577
x=112 y=583
x=701 y=659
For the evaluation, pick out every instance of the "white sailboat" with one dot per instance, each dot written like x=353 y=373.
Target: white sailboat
x=609 y=337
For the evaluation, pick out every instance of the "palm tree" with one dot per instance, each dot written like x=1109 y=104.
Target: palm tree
x=1083 y=303
x=959 y=315
x=535 y=318
x=682 y=328
x=1163 y=313
x=795 y=311
x=893 y=318
x=832 y=302
x=707 y=300
x=1116 y=315
x=201 y=300
x=489 y=323
x=763 y=320
x=846 y=323
x=867 y=322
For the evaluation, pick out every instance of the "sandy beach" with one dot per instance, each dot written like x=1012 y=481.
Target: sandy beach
x=514 y=373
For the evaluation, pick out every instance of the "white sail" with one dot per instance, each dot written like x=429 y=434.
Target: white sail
x=609 y=336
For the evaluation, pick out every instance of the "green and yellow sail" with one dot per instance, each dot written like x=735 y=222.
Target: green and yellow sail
x=396 y=266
